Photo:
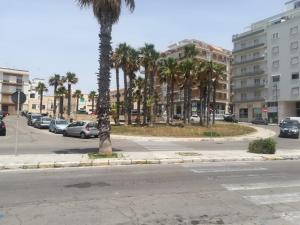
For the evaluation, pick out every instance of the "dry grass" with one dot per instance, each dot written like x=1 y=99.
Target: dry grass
x=219 y=130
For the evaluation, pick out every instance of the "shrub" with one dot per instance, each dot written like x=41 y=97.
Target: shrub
x=263 y=146
x=211 y=134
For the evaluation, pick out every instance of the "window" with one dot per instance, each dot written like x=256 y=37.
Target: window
x=295 y=60
x=244 y=113
x=276 y=78
x=295 y=76
x=256 y=55
x=243 y=58
x=275 y=64
x=243 y=45
x=257 y=82
x=256 y=68
x=243 y=96
x=33 y=106
x=294 y=45
x=256 y=42
x=257 y=113
x=32 y=95
x=43 y=107
x=275 y=36
x=257 y=94
x=294 y=30
x=275 y=50
x=243 y=83
x=243 y=70
x=295 y=91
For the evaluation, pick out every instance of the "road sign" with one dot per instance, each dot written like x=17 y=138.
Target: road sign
x=14 y=98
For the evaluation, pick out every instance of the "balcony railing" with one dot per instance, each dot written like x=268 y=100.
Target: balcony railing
x=254 y=99
x=249 y=48
x=253 y=73
x=247 y=34
x=250 y=87
x=249 y=61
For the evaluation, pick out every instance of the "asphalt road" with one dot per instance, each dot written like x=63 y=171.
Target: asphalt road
x=265 y=193
x=34 y=141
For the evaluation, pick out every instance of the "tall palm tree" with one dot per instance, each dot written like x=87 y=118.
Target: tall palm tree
x=117 y=63
x=138 y=93
x=148 y=59
x=92 y=97
x=70 y=79
x=61 y=93
x=41 y=88
x=55 y=81
x=132 y=67
x=107 y=14
x=78 y=95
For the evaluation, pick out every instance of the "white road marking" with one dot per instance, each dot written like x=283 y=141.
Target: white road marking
x=257 y=186
x=218 y=164
x=274 y=199
x=224 y=170
x=293 y=217
x=160 y=145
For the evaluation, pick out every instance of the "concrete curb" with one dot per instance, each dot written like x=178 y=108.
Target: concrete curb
x=130 y=162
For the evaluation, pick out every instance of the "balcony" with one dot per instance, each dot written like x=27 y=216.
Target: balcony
x=246 y=34
x=249 y=61
x=248 y=48
x=249 y=87
x=253 y=99
x=249 y=74
x=13 y=83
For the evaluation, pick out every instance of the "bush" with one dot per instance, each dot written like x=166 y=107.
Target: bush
x=263 y=146
x=211 y=134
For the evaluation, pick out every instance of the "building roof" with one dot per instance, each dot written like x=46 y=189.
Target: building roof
x=4 y=68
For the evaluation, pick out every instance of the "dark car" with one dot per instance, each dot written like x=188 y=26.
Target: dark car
x=290 y=129
x=2 y=128
x=230 y=118
x=260 y=121
x=2 y=115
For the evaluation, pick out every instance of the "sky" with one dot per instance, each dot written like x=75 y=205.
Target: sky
x=50 y=37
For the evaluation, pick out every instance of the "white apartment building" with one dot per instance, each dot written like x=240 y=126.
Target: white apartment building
x=266 y=67
x=12 y=80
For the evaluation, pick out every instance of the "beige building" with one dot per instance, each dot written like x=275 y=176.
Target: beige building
x=12 y=80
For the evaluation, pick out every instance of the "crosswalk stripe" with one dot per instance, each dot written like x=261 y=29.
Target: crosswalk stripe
x=223 y=170
x=274 y=199
x=257 y=186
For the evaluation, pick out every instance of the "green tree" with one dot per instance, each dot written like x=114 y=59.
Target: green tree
x=92 y=97
x=41 y=88
x=61 y=93
x=55 y=81
x=78 y=95
x=70 y=79
x=107 y=14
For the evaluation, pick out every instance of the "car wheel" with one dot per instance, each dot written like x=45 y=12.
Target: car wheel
x=55 y=131
x=82 y=135
x=65 y=134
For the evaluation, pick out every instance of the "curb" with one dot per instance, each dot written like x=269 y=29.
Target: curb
x=130 y=162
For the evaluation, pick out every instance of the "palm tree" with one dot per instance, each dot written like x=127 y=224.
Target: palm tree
x=117 y=63
x=78 y=95
x=132 y=67
x=138 y=93
x=55 y=81
x=61 y=93
x=70 y=79
x=92 y=97
x=107 y=14
x=148 y=60
x=41 y=88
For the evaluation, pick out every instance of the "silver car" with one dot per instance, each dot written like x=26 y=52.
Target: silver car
x=43 y=122
x=58 y=125
x=82 y=129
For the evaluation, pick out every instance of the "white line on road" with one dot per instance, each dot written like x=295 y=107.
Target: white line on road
x=224 y=170
x=274 y=199
x=257 y=186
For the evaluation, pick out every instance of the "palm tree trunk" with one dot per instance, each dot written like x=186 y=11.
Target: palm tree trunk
x=151 y=94
x=168 y=101
x=129 y=105
x=214 y=102
x=103 y=105
x=93 y=103
x=208 y=103
x=77 y=104
x=118 y=94
x=185 y=102
x=54 y=103
x=69 y=99
x=61 y=106
x=172 y=99
x=125 y=96
x=41 y=101
x=189 y=100
x=201 y=102
x=145 y=109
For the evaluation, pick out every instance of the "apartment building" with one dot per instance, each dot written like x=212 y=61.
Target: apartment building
x=206 y=52
x=12 y=80
x=265 y=77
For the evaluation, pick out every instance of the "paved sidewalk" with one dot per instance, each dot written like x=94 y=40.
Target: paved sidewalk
x=260 y=133
x=135 y=158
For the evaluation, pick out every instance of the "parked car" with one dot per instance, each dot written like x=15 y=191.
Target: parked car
x=260 y=121
x=57 y=125
x=2 y=115
x=2 y=128
x=32 y=118
x=195 y=119
x=230 y=118
x=82 y=129
x=42 y=122
x=290 y=129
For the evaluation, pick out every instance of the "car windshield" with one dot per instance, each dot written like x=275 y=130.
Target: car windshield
x=36 y=117
x=92 y=125
x=290 y=124
x=61 y=122
x=47 y=119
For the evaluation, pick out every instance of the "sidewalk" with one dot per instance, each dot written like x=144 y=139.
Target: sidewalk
x=138 y=158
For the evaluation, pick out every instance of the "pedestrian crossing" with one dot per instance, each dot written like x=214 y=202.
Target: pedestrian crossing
x=162 y=146
x=282 y=197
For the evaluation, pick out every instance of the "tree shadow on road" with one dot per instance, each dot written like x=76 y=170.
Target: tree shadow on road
x=82 y=151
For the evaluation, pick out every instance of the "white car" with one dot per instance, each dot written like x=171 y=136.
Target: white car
x=195 y=119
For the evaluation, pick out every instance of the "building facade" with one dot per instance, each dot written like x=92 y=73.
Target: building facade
x=266 y=67
x=207 y=52
x=12 y=80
